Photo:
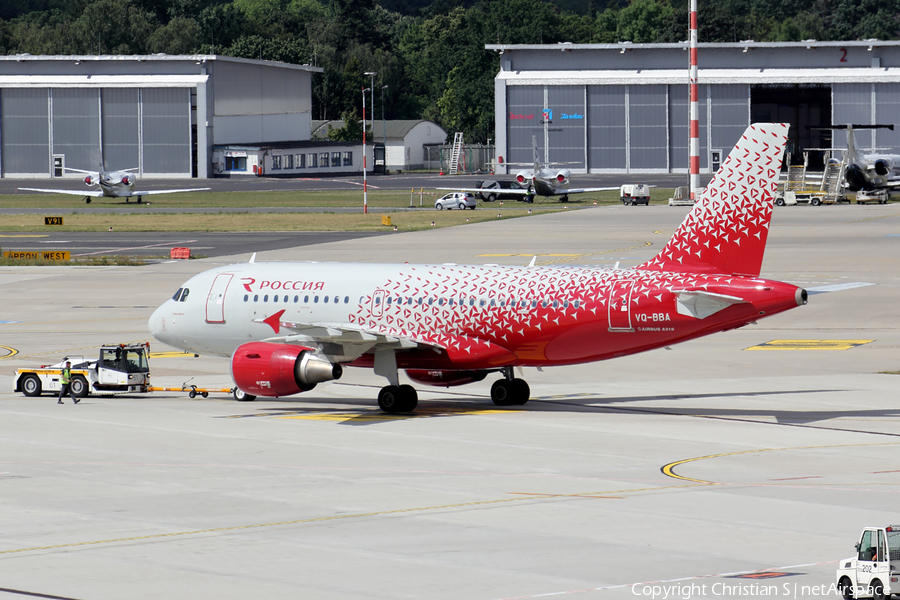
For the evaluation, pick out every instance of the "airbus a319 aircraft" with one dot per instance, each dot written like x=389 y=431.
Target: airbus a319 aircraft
x=542 y=180
x=290 y=326
x=113 y=184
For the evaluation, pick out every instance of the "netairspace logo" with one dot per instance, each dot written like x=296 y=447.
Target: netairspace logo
x=732 y=590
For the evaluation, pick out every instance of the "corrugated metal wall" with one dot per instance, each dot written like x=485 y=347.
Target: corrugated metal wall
x=166 y=130
x=75 y=114
x=24 y=131
x=245 y=89
x=121 y=128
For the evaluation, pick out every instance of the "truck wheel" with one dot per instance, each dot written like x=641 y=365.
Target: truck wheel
x=816 y=201
x=878 y=590
x=846 y=588
x=30 y=385
x=779 y=201
x=242 y=396
x=79 y=386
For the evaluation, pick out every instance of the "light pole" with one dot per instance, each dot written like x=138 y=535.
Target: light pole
x=372 y=75
x=365 y=190
x=383 y=130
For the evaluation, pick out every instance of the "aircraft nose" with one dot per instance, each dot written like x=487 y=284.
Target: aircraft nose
x=158 y=326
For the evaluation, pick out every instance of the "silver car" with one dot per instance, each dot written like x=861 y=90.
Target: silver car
x=460 y=200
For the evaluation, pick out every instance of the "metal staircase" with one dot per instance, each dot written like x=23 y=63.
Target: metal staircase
x=796 y=179
x=456 y=152
x=833 y=180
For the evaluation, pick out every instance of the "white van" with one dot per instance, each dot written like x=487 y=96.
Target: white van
x=636 y=193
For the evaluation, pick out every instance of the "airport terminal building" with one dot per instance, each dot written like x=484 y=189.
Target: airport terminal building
x=623 y=108
x=160 y=114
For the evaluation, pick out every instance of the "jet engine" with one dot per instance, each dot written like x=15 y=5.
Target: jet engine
x=563 y=175
x=855 y=178
x=882 y=166
x=267 y=369
x=524 y=177
x=126 y=180
x=89 y=180
x=445 y=378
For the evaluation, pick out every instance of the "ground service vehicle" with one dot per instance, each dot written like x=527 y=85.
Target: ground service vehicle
x=875 y=570
x=493 y=190
x=460 y=200
x=120 y=369
x=634 y=194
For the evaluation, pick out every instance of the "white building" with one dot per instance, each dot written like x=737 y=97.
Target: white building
x=623 y=107
x=158 y=114
x=405 y=142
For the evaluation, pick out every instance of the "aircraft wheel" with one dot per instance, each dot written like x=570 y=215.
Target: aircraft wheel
x=140 y=199
x=79 y=386
x=502 y=392
x=87 y=199
x=242 y=396
x=390 y=399
x=521 y=392
x=563 y=198
x=31 y=385
x=410 y=398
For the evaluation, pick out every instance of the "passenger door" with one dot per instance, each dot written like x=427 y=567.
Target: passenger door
x=619 y=305
x=215 y=301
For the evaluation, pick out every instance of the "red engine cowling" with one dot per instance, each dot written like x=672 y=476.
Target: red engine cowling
x=563 y=175
x=444 y=378
x=89 y=180
x=524 y=176
x=267 y=369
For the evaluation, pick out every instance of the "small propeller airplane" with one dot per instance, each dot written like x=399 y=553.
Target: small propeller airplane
x=868 y=172
x=542 y=180
x=113 y=184
x=288 y=326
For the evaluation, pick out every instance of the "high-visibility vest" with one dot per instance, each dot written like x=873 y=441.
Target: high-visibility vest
x=66 y=373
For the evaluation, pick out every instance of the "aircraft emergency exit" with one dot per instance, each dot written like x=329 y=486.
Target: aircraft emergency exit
x=289 y=326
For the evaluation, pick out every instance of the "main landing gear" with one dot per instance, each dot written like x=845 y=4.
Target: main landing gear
x=398 y=398
x=510 y=391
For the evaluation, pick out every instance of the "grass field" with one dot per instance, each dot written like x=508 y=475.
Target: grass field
x=79 y=216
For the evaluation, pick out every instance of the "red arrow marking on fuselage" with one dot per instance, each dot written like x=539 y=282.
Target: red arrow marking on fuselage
x=274 y=321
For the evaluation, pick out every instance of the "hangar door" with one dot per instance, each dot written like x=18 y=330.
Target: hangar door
x=803 y=106
x=24 y=131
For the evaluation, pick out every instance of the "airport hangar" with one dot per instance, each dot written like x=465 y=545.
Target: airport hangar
x=624 y=108
x=56 y=110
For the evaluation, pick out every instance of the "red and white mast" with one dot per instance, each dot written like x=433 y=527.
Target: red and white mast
x=694 y=144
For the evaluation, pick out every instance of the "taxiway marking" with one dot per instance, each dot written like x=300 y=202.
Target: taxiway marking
x=669 y=471
x=810 y=345
x=158 y=536
x=10 y=352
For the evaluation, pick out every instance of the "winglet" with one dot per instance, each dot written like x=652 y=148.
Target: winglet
x=253 y=258
x=726 y=231
x=533 y=260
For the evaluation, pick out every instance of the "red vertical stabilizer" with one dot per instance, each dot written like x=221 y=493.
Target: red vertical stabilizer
x=726 y=230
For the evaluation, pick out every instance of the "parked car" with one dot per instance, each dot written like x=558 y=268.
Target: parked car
x=460 y=200
x=633 y=194
x=496 y=190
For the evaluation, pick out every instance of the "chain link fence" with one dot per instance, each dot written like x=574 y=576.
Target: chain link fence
x=475 y=158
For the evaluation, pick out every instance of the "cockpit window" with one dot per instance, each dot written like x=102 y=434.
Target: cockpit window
x=177 y=295
x=184 y=294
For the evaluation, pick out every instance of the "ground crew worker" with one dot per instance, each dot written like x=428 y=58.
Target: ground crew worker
x=65 y=386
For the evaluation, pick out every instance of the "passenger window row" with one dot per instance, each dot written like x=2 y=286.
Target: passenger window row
x=481 y=302
x=296 y=299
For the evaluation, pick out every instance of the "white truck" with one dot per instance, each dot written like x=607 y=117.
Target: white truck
x=875 y=570
x=120 y=369
x=635 y=193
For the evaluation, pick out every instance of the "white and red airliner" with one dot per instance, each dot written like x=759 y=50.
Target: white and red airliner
x=290 y=326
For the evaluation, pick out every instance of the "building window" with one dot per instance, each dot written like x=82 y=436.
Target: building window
x=312 y=163
x=235 y=163
x=288 y=161
x=276 y=162
x=300 y=161
x=348 y=159
x=323 y=159
x=335 y=159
